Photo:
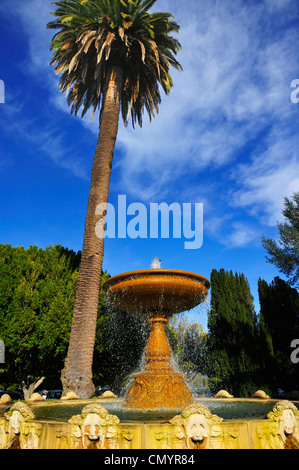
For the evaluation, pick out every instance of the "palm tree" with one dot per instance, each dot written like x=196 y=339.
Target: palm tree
x=114 y=56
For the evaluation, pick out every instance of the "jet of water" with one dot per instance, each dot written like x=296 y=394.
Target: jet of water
x=156 y=263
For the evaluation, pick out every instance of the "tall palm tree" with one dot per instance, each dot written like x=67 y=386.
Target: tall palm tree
x=114 y=56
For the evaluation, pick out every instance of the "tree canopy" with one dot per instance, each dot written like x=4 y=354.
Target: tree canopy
x=279 y=319
x=37 y=289
x=232 y=361
x=95 y=35
x=37 y=294
x=284 y=254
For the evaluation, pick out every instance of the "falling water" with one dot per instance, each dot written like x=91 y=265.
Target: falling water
x=156 y=263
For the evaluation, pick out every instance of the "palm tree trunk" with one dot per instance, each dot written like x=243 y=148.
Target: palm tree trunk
x=77 y=373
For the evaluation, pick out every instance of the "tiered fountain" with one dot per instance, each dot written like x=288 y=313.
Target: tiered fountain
x=84 y=424
x=157 y=294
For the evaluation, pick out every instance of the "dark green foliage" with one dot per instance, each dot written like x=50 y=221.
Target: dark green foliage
x=285 y=254
x=37 y=290
x=233 y=337
x=279 y=318
x=37 y=294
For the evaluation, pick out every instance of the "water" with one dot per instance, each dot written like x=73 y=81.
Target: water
x=239 y=409
x=225 y=409
x=156 y=263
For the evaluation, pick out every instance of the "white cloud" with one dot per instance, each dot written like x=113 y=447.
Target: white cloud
x=34 y=15
x=235 y=82
x=271 y=176
x=240 y=235
x=48 y=140
x=43 y=140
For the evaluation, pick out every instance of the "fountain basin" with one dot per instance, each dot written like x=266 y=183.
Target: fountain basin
x=166 y=291
x=233 y=409
x=104 y=424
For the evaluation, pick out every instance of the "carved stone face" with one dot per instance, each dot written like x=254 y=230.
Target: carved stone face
x=197 y=432
x=288 y=423
x=15 y=423
x=92 y=431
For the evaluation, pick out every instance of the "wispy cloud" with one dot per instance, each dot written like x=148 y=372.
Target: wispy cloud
x=45 y=140
x=269 y=176
x=235 y=85
x=48 y=138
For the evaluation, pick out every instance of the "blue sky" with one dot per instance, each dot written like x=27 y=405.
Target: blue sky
x=227 y=137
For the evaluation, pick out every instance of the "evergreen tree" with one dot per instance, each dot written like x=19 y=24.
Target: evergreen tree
x=285 y=254
x=232 y=363
x=37 y=295
x=279 y=317
x=37 y=291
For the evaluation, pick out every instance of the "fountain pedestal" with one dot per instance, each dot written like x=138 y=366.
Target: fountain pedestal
x=158 y=386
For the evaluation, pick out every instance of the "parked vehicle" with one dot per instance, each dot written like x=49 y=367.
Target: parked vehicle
x=103 y=389
x=43 y=394
x=54 y=394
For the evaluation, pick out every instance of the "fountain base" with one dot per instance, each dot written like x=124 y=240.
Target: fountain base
x=158 y=386
x=155 y=391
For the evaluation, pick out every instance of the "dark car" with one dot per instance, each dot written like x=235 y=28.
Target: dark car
x=54 y=394
x=101 y=390
x=14 y=394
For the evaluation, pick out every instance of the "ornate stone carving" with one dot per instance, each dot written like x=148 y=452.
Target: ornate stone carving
x=149 y=391
x=3 y=433
x=94 y=428
x=261 y=394
x=195 y=426
x=22 y=432
x=284 y=417
x=223 y=394
x=280 y=430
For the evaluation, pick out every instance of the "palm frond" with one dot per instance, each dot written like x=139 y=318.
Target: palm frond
x=94 y=35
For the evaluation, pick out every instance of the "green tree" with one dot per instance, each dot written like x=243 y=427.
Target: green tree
x=37 y=293
x=188 y=343
x=279 y=316
x=284 y=254
x=232 y=362
x=113 y=55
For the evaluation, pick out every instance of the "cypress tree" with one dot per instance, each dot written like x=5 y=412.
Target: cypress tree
x=284 y=254
x=279 y=317
x=232 y=335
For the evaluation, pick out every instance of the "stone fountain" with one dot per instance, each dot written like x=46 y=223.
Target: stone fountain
x=178 y=420
x=157 y=294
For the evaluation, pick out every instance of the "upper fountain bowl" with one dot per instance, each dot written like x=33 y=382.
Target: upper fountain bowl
x=165 y=291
